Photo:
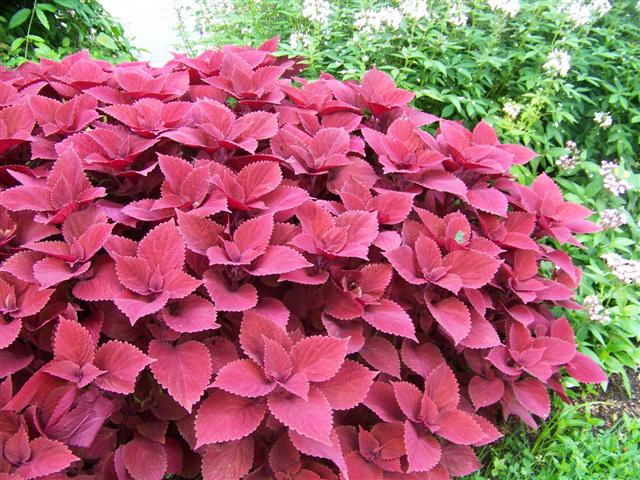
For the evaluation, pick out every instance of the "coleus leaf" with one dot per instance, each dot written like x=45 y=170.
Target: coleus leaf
x=224 y=417
x=184 y=369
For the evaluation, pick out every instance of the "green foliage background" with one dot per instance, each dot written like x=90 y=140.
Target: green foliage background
x=31 y=30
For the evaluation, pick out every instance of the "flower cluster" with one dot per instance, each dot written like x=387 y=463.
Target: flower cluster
x=570 y=159
x=603 y=119
x=581 y=12
x=625 y=270
x=609 y=171
x=317 y=11
x=300 y=41
x=415 y=9
x=372 y=21
x=511 y=110
x=613 y=218
x=219 y=267
x=558 y=63
x=508 y=7
x=457 y=13
x=595 y=310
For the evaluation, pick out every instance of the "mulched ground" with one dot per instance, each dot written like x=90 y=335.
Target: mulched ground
x=610 y=405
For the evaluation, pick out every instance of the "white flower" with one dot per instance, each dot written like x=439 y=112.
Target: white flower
x=595 y=311
x=300 y=41
x=367 y=21
x=571 y=158
x=613 y=218
x=601 y=7
x=581 y=12
x=511 y=110
x=391 y=16
x=509 y=7
x=603 y=119
x=415 y=9
x=558 y=62
x=609 y=172
x=457 y=14
x=317 y=11
x=370 y=21
x=625 y=270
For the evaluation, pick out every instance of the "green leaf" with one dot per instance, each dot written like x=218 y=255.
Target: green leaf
x=106 y=41
x=16 y=44
x=19 y=17
x=66 y=3
x=42 y=18
x=47 y=6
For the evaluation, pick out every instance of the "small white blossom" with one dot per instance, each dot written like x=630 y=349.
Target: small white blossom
x=391 y=17
x=609 y=172
x=595 y=310
x=509 y=7
x=613 y=218
x=457 y=14
x=415 y=9
x=300 y=41
x=581 y=12
x=558 y=62
x=625 y=270
x=317 y=11
x=603 y=119
x=570 y=159
x=371 y=21
x=511 y=110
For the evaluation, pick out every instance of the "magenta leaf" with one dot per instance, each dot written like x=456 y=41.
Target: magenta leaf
x=184 y=370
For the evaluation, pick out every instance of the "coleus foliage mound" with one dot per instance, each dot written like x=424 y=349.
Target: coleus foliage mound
x=218 y=267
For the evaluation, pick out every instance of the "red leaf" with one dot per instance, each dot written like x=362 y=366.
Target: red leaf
x=224 y=417
x=533 y=396
x=453 y=316
x=145 y=459
x=381 y=355
x=423 y=451
x=389 y=317
x=244 y=378
x=190 y=314
x=485 y=392
x=459 y=460
x=122 y=363
x=482 y=333
x=488 y=200
x=163 y=248
x=259 y=178
x=73 y=342
x=278 y=259
x=311 y=418
x=442 y=181
x=585 y=370
x=319 y=358
x=228 y=299
x=228 y=461
x=349 y=386
x=459 y=427
x=47 y=457
x=476 y=269
x=184 y=370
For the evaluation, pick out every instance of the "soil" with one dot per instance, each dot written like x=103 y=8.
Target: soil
x=611 y=404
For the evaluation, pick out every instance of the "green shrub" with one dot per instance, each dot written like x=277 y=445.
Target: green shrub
x=31 y=30
x=561 y=77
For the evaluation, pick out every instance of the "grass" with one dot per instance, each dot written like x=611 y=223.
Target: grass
x=572 y=445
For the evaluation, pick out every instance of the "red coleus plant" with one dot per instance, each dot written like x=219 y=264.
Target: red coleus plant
x=218 y=268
